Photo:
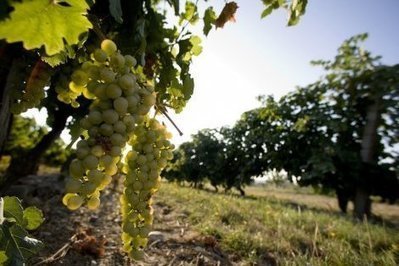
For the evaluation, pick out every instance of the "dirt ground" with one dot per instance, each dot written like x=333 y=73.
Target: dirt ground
x=86 y=237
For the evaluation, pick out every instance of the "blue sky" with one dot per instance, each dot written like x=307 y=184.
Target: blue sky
x=253 y=56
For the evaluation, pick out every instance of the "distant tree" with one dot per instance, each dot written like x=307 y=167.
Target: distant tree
x=332 y=133
x=26 y=136
x=198 y=160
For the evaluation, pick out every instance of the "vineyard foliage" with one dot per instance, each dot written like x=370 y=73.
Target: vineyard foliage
x=316 y=133
x=16 y=245
x=101 y=68
x=25 y=133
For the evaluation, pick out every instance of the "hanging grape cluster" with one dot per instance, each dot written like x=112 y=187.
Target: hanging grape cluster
x=118 y=116
x=150 y=152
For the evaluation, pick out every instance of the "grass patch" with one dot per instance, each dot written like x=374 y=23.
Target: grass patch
x=255 y=228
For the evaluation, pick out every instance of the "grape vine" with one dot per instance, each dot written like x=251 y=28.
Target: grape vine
x=116 y=91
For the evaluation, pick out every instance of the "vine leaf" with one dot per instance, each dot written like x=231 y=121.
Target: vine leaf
x=190 y=14
x=51 y=24
x=13 y=209
x=227 y=14
x=196 y=48
x=209 y=20
x=16 y=246
x=16 y=243
x=296 y=8
x=3 y=257
x=33 y=218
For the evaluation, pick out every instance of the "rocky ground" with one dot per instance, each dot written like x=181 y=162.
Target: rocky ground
x=86 y=237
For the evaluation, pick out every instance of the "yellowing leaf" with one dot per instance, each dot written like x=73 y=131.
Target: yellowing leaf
x=46 y=22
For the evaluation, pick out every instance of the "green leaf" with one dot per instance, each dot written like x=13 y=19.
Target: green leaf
x=188 y=87
x=190 y=13
x=13 y=209
x=3 y=257
x=209 y=19
x=196 y=48
x=52 y=24
x=17 y=244
x=267 y=12
x=116 y=10
x=33 y=218
x=297 y=9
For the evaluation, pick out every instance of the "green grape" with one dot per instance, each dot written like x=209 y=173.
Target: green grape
x=79 y=77
x=105 y=182
x=137 y=185
x=100 y=92
x=75 y=88
x=115 y=151
x=97 y=150
x=85 y=123
x=100 y=56
x=93 y=132
x=76 y=168
x=82 y=152
x=106 y=130
x=120 y=127
x=87 y=94
x=67 y=197
x=130 y=61
x=95 y=176
x=107 y=75
x=106 y=160
x=113 y=91
x=117 y=61
x=93 y=203
x=149 y=100
x=95 y=117
x=127 y=81
x=120 y=105
x=88 y=188
x=90 y=162
x=110 y=116
x=74 y=202
x=111 y=170
x=117 y=139
x=108 y=46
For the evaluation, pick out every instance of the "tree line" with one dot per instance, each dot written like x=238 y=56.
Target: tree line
x=338 y=133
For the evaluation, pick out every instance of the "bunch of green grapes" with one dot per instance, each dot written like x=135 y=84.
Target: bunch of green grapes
x=33 y=92
x=119 y=102
x=150 y=152
x=64 y=88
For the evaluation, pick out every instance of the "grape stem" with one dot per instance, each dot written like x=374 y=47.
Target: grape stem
x=170 y=120
x=96 y=27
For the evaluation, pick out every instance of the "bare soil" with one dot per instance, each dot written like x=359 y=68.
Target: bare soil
x=86 y=237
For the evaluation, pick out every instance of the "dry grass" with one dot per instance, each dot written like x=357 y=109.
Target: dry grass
x=267 y=230
x=304 y=197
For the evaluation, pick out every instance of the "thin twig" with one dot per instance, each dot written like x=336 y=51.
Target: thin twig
x=59 y=253
x=171 y=121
